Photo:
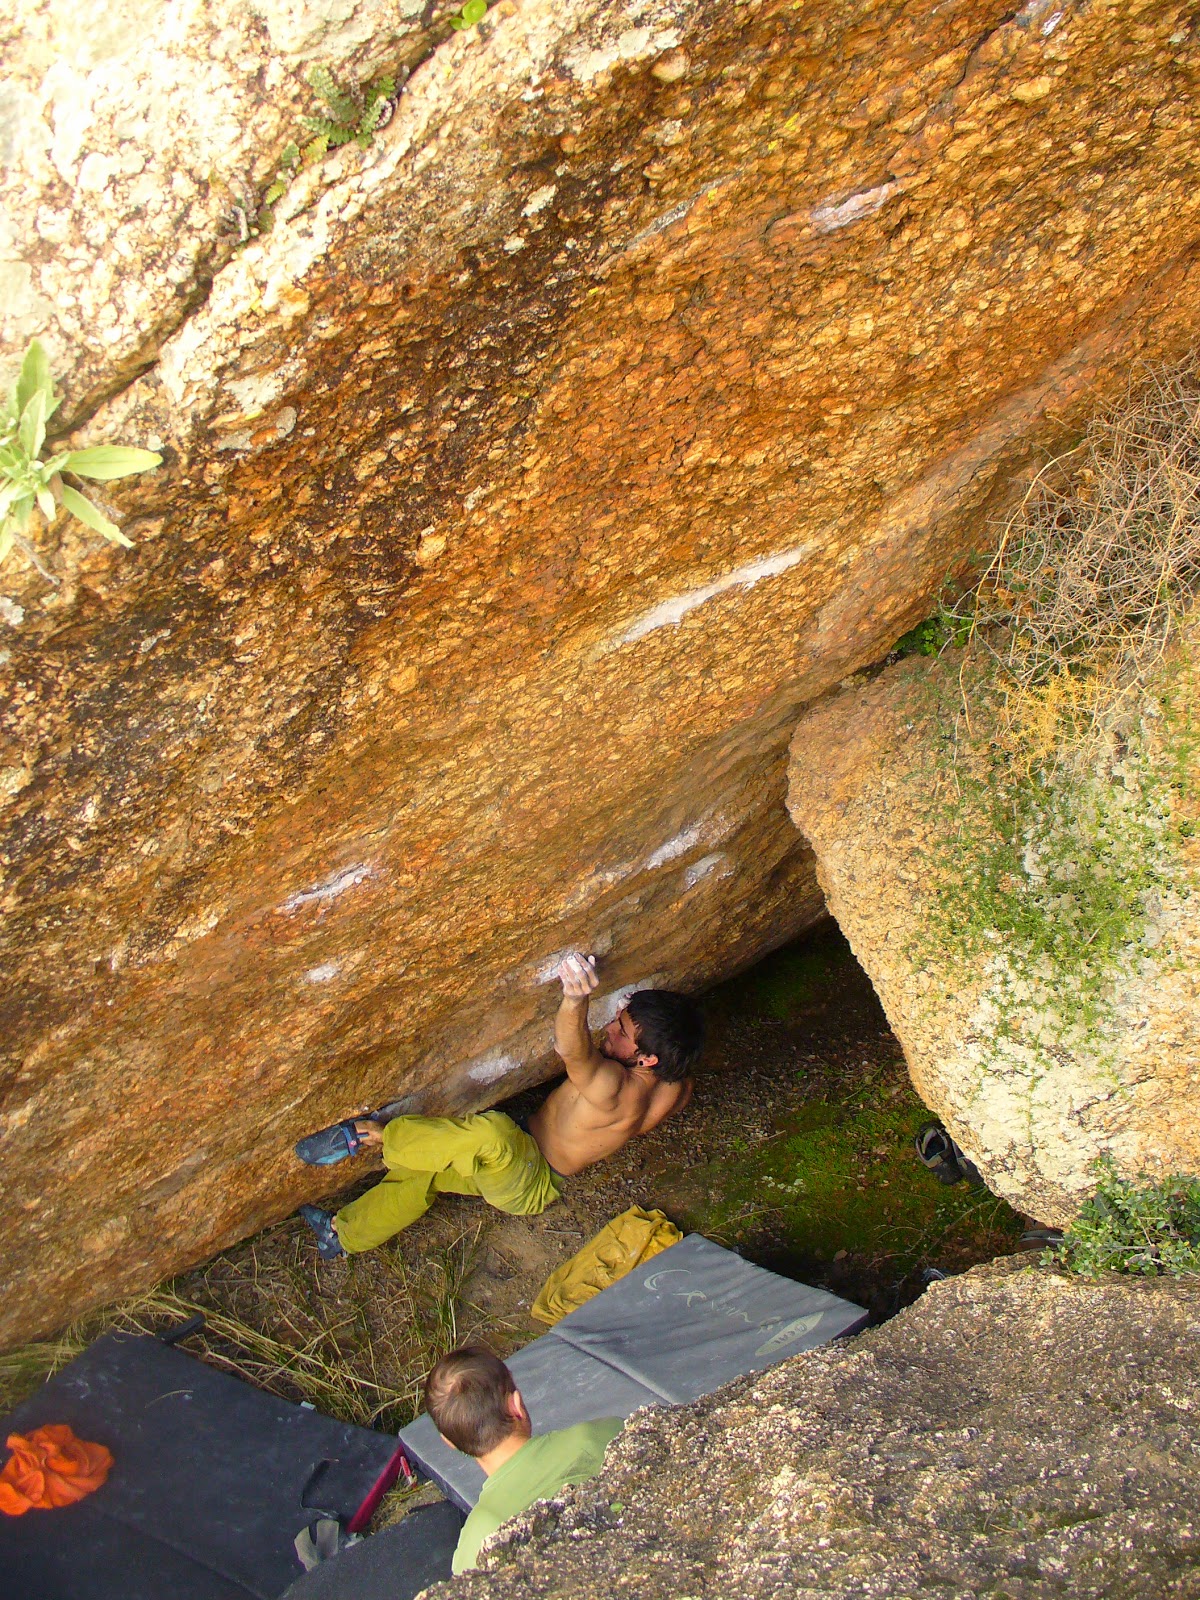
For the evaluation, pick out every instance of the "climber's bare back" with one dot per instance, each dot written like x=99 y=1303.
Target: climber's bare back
x=573 y=1132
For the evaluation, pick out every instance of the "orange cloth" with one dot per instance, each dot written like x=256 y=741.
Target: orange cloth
x=50 y=1467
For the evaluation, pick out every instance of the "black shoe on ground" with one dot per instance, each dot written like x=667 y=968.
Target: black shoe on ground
x=937 y=1151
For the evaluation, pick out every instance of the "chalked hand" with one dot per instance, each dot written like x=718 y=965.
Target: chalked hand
x=578 y=975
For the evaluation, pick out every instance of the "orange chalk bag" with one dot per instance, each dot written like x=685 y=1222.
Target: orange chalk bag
x=50 y=1467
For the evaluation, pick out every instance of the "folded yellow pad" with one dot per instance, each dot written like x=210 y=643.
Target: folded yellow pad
x=621 y=1245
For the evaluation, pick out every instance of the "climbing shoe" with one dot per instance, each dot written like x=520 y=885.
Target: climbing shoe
x=330 y=1144
x=938 y=1151
x=329 y=1246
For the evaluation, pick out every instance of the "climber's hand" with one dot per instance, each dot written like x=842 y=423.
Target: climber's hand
x=578 y=975
x=369 y=1132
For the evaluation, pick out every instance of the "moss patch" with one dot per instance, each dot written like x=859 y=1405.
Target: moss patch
x=798 y=981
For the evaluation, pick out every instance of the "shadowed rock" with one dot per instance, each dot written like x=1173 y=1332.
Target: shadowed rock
x=1013 y=1433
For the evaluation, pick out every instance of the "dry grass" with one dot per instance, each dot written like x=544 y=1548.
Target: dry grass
x=355 y=1342
x=1095 y=572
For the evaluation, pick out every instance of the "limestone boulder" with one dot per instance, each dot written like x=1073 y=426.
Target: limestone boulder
x=1012 y=1433
x=642 y=379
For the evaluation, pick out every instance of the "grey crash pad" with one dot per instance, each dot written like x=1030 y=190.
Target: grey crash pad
x=394 y=1564
x=204 y=1497
x=678 y=1327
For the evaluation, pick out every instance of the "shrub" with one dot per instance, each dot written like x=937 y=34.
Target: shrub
x=1095 y=572
x=1146 y=1227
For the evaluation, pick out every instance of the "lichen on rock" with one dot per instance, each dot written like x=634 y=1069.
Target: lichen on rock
x=1005 y=1435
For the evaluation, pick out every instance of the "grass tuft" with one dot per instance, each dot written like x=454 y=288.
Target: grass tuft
x=358 y=1351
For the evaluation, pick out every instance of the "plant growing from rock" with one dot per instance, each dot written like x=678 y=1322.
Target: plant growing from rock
x=1062 y=747
x=1147 y=1227
x=473 y=12
x=350 y=114
x=30 y=481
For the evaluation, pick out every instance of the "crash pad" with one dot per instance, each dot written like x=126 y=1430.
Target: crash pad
x=675 y=1328
x=205 y=1493
x=394 y=1564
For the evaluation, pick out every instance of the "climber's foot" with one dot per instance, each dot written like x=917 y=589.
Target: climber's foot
x=329 y=1246
x=330 y=1144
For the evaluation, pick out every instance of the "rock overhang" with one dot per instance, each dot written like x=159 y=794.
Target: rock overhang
x=480 y=576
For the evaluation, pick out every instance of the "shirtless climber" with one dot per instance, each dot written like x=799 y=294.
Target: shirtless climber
x=639 y=1075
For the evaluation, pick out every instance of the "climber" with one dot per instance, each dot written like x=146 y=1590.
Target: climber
x=477 y=1408
x=639 y=1075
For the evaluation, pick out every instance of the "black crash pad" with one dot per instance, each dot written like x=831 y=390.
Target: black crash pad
x=679 y=1326
x=395 y=1564
x=204 y=1498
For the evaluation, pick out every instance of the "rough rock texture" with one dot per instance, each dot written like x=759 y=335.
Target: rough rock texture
x=1014 y=1433
x=130 y=140
x=1034 y=1079
x=642 y=380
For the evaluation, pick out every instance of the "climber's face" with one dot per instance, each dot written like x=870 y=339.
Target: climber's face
x=620 y=1039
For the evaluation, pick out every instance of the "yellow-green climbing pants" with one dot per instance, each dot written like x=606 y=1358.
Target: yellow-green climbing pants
x=484 y=1154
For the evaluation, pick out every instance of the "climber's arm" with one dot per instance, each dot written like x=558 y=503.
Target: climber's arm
x=598 y=1079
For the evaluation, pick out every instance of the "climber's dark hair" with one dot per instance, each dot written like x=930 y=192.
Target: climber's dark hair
x=669 y=1026
x=466 y=1395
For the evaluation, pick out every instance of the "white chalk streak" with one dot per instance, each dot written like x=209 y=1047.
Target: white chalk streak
x=676 y=847
x=702 y=868
x=322 y=974
x=496 y=1064
x=330 y=888
x=604 y=1007
x=829 y=218
x=672 y=612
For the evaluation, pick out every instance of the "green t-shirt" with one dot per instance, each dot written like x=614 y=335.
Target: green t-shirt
x=539 y=1469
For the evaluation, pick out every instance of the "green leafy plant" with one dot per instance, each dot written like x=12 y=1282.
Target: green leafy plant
x=29 y=481
x=349 y=114
x=1147 y=1227
x=928 y=638
x=290 y=163
x=473 y=12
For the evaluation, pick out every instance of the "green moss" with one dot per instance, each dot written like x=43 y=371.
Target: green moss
x=1061 y=870
x=1051 y=879
x=846 y=1178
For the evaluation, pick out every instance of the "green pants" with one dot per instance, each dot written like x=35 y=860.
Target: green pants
x=484 y=1154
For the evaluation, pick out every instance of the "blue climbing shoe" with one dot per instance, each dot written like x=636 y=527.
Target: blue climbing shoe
x=330 y=1145
x=329 y=1246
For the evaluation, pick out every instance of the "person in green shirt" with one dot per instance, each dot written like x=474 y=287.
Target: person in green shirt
x=477 y=1408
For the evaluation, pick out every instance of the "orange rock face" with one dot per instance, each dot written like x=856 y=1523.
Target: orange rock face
x=643 y=380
